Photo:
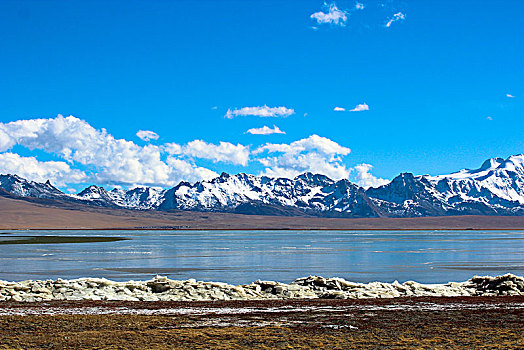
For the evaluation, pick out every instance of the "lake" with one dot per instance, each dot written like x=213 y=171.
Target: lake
x=240 y=257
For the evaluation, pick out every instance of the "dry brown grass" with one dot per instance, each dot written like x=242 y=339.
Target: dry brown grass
x=448 y=328
x=20 y=214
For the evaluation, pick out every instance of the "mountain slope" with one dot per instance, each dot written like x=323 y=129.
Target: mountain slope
x=310 y=193
x=498 y=184
x=496 y=188
x=24 y=188
x=141 y=198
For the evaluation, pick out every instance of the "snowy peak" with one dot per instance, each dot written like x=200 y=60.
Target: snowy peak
x=25 y=188
x=495 y=188
x=142 y=197
x=311 y=193
x=489 y=167
x=490 y=164
x=314 y=179
x=405 y=196
x=137 y=198
x=93 y=192
x=98 y=196
x=513 y=163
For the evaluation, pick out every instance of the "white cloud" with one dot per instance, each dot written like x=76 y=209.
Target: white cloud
x=189 y=172
x=314 y=154
x=93 y=155
x=510 y=96
x=399 y=16
x=359 y=6
x=333 y=15
x=223 y=152
x=30 y=168
x=110 y=161
x=6 y=140
x=489 y=118
x=147 y=135
x=263 y=111
x=360 y=107
x=317 y=143
x=365 y=179
x=339 y=109
x=265 y=130
x=172 y=148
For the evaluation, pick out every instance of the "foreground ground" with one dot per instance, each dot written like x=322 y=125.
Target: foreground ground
x=428 y=323
x=35 y=214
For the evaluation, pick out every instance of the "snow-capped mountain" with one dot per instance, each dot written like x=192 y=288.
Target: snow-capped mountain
x=24 y=188
x=139 y=197
x=311 y=193
x=497 y=182
x=496 y=188
x=142 y=198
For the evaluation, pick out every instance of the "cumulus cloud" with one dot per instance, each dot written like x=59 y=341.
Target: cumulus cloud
x=147 y=135
x=510 y=96
x=339 y=109
x=333 y=15
x=489 y=118
x=30 y=168
x=172 y=148
x=263 y=111
x=359 y=6
x=365 y=179
x=312 y=154
x=112 y=161
x=265 y=130
x=223 y=152
x=86 y=154
x=189 y=172
x=399 y=16
x=360 y=107
x=6 y=140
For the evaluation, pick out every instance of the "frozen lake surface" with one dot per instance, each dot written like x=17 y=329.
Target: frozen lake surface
x=240 y=257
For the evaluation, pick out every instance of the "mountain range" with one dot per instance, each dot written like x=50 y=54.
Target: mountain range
x=496 y=188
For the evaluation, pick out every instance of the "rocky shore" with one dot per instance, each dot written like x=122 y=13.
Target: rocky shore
x=312 y=287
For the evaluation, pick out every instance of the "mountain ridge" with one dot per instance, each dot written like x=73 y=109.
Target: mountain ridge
x=495 y=188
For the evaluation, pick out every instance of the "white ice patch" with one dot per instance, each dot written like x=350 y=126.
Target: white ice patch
x=312 y=287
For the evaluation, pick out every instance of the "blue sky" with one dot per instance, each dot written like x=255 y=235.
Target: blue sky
x=436 y=82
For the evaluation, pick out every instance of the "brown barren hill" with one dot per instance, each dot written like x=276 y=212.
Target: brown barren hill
x=36 y=214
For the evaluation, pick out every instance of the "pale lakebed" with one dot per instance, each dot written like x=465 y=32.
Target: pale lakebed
x=240 y=257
